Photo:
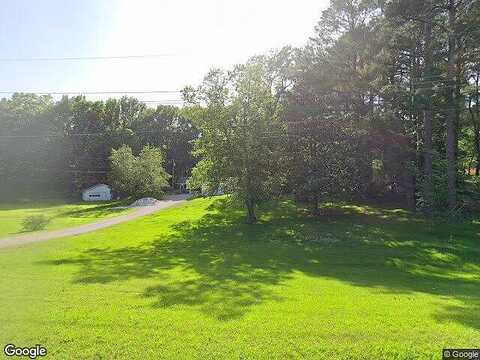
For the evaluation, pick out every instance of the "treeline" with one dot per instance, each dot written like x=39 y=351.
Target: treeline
x=382 y=102
x=57 y=148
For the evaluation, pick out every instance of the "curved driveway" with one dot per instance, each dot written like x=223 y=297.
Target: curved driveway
x=23 y=239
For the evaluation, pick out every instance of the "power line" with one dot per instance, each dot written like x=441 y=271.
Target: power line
x=104 y=133
x=76 y=171
x=89 y=92
x=79 y=58
x=162 y=101
x=68 y=135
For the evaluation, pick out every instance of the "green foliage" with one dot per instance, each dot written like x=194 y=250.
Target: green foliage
x=204 y=178
x=242 y=137
x=35 y=222
x=151 y=178
x=390 y=78
x=138 y=176
x=62 y=147
x=376 y=69
x=326 y=161
x=123 y=170
x=466 y=191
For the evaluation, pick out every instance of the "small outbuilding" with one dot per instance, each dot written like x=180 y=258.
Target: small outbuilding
x=99 y=192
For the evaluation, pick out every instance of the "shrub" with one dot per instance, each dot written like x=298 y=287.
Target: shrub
x=35 y=222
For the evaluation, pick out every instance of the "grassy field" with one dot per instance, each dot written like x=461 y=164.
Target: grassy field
x=60 y=213
x=194 y=282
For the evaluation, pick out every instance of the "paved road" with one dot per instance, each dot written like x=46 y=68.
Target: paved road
x=23 y=239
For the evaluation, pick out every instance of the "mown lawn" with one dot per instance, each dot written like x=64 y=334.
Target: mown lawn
x=60 y=213
x=195 y=282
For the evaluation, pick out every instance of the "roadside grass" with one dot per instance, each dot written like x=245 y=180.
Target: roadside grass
x=61 y=214
x=194 y=281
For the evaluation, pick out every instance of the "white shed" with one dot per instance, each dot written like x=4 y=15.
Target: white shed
x=99 y=192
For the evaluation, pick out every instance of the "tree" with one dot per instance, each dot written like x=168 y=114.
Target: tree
x=167 y=128
x=241 y=135
x=28 y=136
x=324 y=162
x=333 y=102
x=62 y=147
x=473 y=101
x=428 y=115
x=139 y=176
x=451 y=119
x=470 y=43
x=384 y=99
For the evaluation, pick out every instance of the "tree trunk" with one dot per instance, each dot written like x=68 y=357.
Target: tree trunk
x=476 y=139
x=477 y=127
x=451 y=112
x=477 y=150
x=475 y=117
x=428 y=115
x=409 y=182
x=250 y=204
x=316 y=210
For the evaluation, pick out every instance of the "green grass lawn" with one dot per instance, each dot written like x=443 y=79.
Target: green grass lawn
x=194 y=281
x=60 y=213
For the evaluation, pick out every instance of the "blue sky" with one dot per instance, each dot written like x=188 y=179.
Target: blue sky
x=48 y=29
x=199 y=35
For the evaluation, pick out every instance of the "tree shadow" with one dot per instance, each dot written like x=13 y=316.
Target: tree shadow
x=223 y=267
x=95 y=211
x=466 y=313
x=31 y=205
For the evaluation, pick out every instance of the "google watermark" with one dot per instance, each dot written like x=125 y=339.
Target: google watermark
x=32 y=352
x=469 y=354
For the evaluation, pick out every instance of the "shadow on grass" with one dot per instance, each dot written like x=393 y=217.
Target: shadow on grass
x=223 y=267
x=95 y=211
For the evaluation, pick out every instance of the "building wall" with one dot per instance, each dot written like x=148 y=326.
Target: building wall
x=97 y=194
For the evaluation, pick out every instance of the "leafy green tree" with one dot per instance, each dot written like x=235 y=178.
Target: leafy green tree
x=325 y=160
x=205 y=178
x=123 y=170
x=167 y=128
x=139 y=176
x=29 y=146
x=241 y=133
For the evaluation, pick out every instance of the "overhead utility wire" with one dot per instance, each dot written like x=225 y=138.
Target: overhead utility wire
x=61 y=135
x=90 y=92
x=77 y=58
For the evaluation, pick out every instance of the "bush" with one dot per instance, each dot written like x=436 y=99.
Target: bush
x=35 y=222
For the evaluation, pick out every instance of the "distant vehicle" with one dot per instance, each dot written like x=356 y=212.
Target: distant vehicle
x=99 y=192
